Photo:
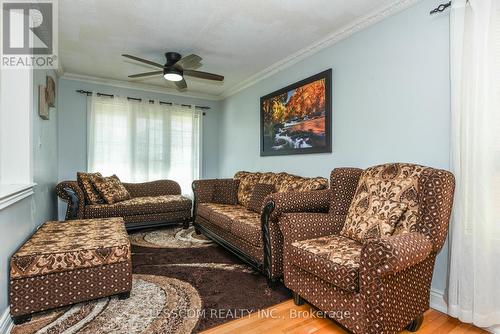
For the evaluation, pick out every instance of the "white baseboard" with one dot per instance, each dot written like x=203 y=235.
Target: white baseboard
x=438 y=302
x=6 y=322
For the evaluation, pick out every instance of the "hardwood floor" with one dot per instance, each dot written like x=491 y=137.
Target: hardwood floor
x=283 y=320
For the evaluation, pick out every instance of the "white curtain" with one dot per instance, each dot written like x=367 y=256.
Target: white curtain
x=474 y=285
x=143 y=141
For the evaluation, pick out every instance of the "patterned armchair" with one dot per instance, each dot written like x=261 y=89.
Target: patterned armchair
x=368 y=264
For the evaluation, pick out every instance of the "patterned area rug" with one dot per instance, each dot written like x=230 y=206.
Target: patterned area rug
x=183 y=283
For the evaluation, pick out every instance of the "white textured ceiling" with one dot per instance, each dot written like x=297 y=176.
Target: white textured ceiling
x=237 y=38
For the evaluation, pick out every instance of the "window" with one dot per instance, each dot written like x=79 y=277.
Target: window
x=142 y=141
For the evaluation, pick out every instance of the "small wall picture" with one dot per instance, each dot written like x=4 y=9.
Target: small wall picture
x=50 y=92
x=297 y=119
x=43 y=108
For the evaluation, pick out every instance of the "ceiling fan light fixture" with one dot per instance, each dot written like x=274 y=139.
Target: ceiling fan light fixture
x=172 y=74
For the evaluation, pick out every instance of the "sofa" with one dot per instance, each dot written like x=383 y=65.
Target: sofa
x=151 y=204
x=368 y=262
x=222 y=212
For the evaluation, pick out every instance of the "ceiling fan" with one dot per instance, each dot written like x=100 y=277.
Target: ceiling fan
x=176 y=68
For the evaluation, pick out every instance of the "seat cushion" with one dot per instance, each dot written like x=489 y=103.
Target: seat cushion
x=247 y=226
x=224 y=215
x=332 y=258
x=140 y=206
x=61 y=246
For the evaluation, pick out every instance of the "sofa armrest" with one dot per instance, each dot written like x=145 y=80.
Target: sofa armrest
x=71 y=193
x=297 y=201
x=390 y=255
x=153 y=188
x=303 y=226
x=275 y=205
x=222 y=191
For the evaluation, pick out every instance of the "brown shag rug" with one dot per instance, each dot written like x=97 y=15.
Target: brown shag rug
x=182 y=283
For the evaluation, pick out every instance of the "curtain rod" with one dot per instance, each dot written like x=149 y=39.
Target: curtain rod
x=86 y=92
x=440 y=8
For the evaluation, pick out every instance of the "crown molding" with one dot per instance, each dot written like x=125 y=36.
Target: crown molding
x=136 y=86
x=333 y=38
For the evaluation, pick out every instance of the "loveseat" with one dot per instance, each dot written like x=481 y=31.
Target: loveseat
x=151 y=204
x=222 y=211
x=368 y=262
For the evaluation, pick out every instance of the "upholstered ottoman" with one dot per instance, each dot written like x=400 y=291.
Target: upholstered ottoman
x=69 y=262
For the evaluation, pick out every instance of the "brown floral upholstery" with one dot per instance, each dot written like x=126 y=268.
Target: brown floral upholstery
x=396 y=182
x=260 y=192
x=335 y=258
x=232 y=217
x=393 y=272
x=247 y=248
x=222 y=191
x=373 y=219
x=69 y=262
x=59 y=246
x=247 y=184
x=141 y=205
x=246 y=229
x=334 y=248
x=153 y=188
x=85 y=182
x=283 y=182
x=110 y=188
x=151 y=203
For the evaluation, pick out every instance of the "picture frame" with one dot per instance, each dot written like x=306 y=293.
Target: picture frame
x=297 y=119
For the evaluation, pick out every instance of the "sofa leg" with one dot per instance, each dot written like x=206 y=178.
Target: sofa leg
x=415 y=324
x=19 y=320
x=185 y=225
x=124 y=295
x=272 y=283
x=297 y=299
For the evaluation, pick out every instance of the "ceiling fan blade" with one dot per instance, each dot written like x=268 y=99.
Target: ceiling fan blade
x=145 y=61
x=204 y=75
x=147 y=74
x=181 y=84
x=191 y=61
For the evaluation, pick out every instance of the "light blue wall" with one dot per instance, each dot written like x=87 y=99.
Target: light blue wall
x=73 y=127
x=391 y=102
x=18 y=221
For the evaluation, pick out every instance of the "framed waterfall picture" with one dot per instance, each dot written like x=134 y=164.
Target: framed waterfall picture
x=297 y=119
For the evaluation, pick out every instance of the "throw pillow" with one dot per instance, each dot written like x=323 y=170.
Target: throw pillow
x=110 y=188
x=259 y=194
x=91 y=194
x=374 y=217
